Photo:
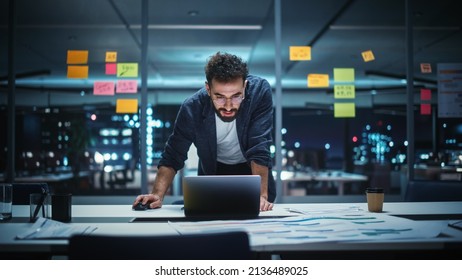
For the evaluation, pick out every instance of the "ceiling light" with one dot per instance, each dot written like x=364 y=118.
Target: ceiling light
x=202 y=26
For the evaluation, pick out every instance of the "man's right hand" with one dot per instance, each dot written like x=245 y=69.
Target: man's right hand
x=153 y=200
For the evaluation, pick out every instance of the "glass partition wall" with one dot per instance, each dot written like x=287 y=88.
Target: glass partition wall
x=343 y=76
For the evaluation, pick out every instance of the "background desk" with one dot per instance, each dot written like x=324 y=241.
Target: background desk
x=115 y=219
x=338 y=178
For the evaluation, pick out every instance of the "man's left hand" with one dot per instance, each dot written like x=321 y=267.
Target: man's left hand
x=265 y=205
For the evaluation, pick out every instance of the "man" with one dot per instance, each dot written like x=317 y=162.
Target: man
x=230 y=122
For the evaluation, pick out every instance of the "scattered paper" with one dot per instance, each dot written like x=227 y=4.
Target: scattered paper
x=331 y=227
x=49 y=229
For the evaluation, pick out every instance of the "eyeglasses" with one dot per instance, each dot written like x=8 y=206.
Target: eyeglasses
x=235 y=100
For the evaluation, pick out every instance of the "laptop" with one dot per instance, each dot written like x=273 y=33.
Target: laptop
x=222 y=196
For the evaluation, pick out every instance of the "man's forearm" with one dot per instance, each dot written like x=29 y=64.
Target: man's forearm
x=164 y=179
x=263 y=172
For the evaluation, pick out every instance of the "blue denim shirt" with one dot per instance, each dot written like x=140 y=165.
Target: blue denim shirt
x=195 y=123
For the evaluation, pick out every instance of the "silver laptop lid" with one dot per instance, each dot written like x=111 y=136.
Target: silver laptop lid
x=222 y=196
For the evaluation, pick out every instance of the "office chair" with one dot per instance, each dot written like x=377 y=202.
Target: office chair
x=422 y=191
x=213 y=246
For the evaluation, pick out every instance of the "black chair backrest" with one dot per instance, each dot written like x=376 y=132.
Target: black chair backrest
x=213 y=246
x=422 y=191
x=21 y=191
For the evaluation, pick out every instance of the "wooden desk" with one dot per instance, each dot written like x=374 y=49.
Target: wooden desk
x=115 y=219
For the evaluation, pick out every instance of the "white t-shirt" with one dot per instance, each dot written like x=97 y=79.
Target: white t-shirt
x=228 y=148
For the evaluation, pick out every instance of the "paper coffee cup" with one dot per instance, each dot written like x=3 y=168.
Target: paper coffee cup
x=375 y=197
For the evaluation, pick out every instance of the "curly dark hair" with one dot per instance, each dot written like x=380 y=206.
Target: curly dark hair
x=225 y=67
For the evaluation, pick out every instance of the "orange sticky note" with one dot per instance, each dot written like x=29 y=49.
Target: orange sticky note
x=103 y=88
x=318 y=80
x=111 y=56
x=111 y=69
x=77 y=57
x=77 y=72
x=368 y=56
x=127 y=86
x=425 y=68
x=425 y=109
x=126 y=106
x=300 y=53
x=425 y=94
x=344 y=110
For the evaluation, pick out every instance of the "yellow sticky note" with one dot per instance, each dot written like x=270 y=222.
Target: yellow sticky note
x=111 y=56
x=344 y=91
x=77 y=72
x=300 y=53
x=127 y=106
x=344 y=74
x=368 y=56
x=77 y=57
x=129 y=70
x=318 y=80
x=344 y=110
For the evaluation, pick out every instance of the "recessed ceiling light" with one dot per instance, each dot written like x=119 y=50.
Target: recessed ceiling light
x=193 y=13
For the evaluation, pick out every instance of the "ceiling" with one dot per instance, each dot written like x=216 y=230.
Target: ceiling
x=183 y=34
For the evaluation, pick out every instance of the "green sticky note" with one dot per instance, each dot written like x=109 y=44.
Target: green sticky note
x=344 y=91
x=344 y=110
x=344 y=75
x=129 y=70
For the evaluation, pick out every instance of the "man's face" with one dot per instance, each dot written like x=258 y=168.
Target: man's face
x=227 y=97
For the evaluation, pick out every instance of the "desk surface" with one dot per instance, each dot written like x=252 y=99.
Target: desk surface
x=115 y=219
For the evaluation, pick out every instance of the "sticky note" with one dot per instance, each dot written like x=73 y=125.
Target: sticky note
x=77 y=57
x=77 y=72
x=425 y=68
x=103 y=88
x=344 y=74
x=344 y=110
x=425 y=94
x=317 y=80
x=111 y=69
x=127 y=86
x=111 y=57
x=126 y=106
x=368 y=56
x=344 y=91
x=300 y=53
x=425 y=109
x=129 y=70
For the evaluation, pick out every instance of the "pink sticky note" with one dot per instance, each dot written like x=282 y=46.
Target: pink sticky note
x=103 y=88
x=425 y=94
x=425 y=109
x=127 y=86
x=111 y=68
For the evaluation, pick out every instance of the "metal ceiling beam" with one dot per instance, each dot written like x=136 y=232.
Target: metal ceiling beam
x=321 y=32
x=129 y=28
